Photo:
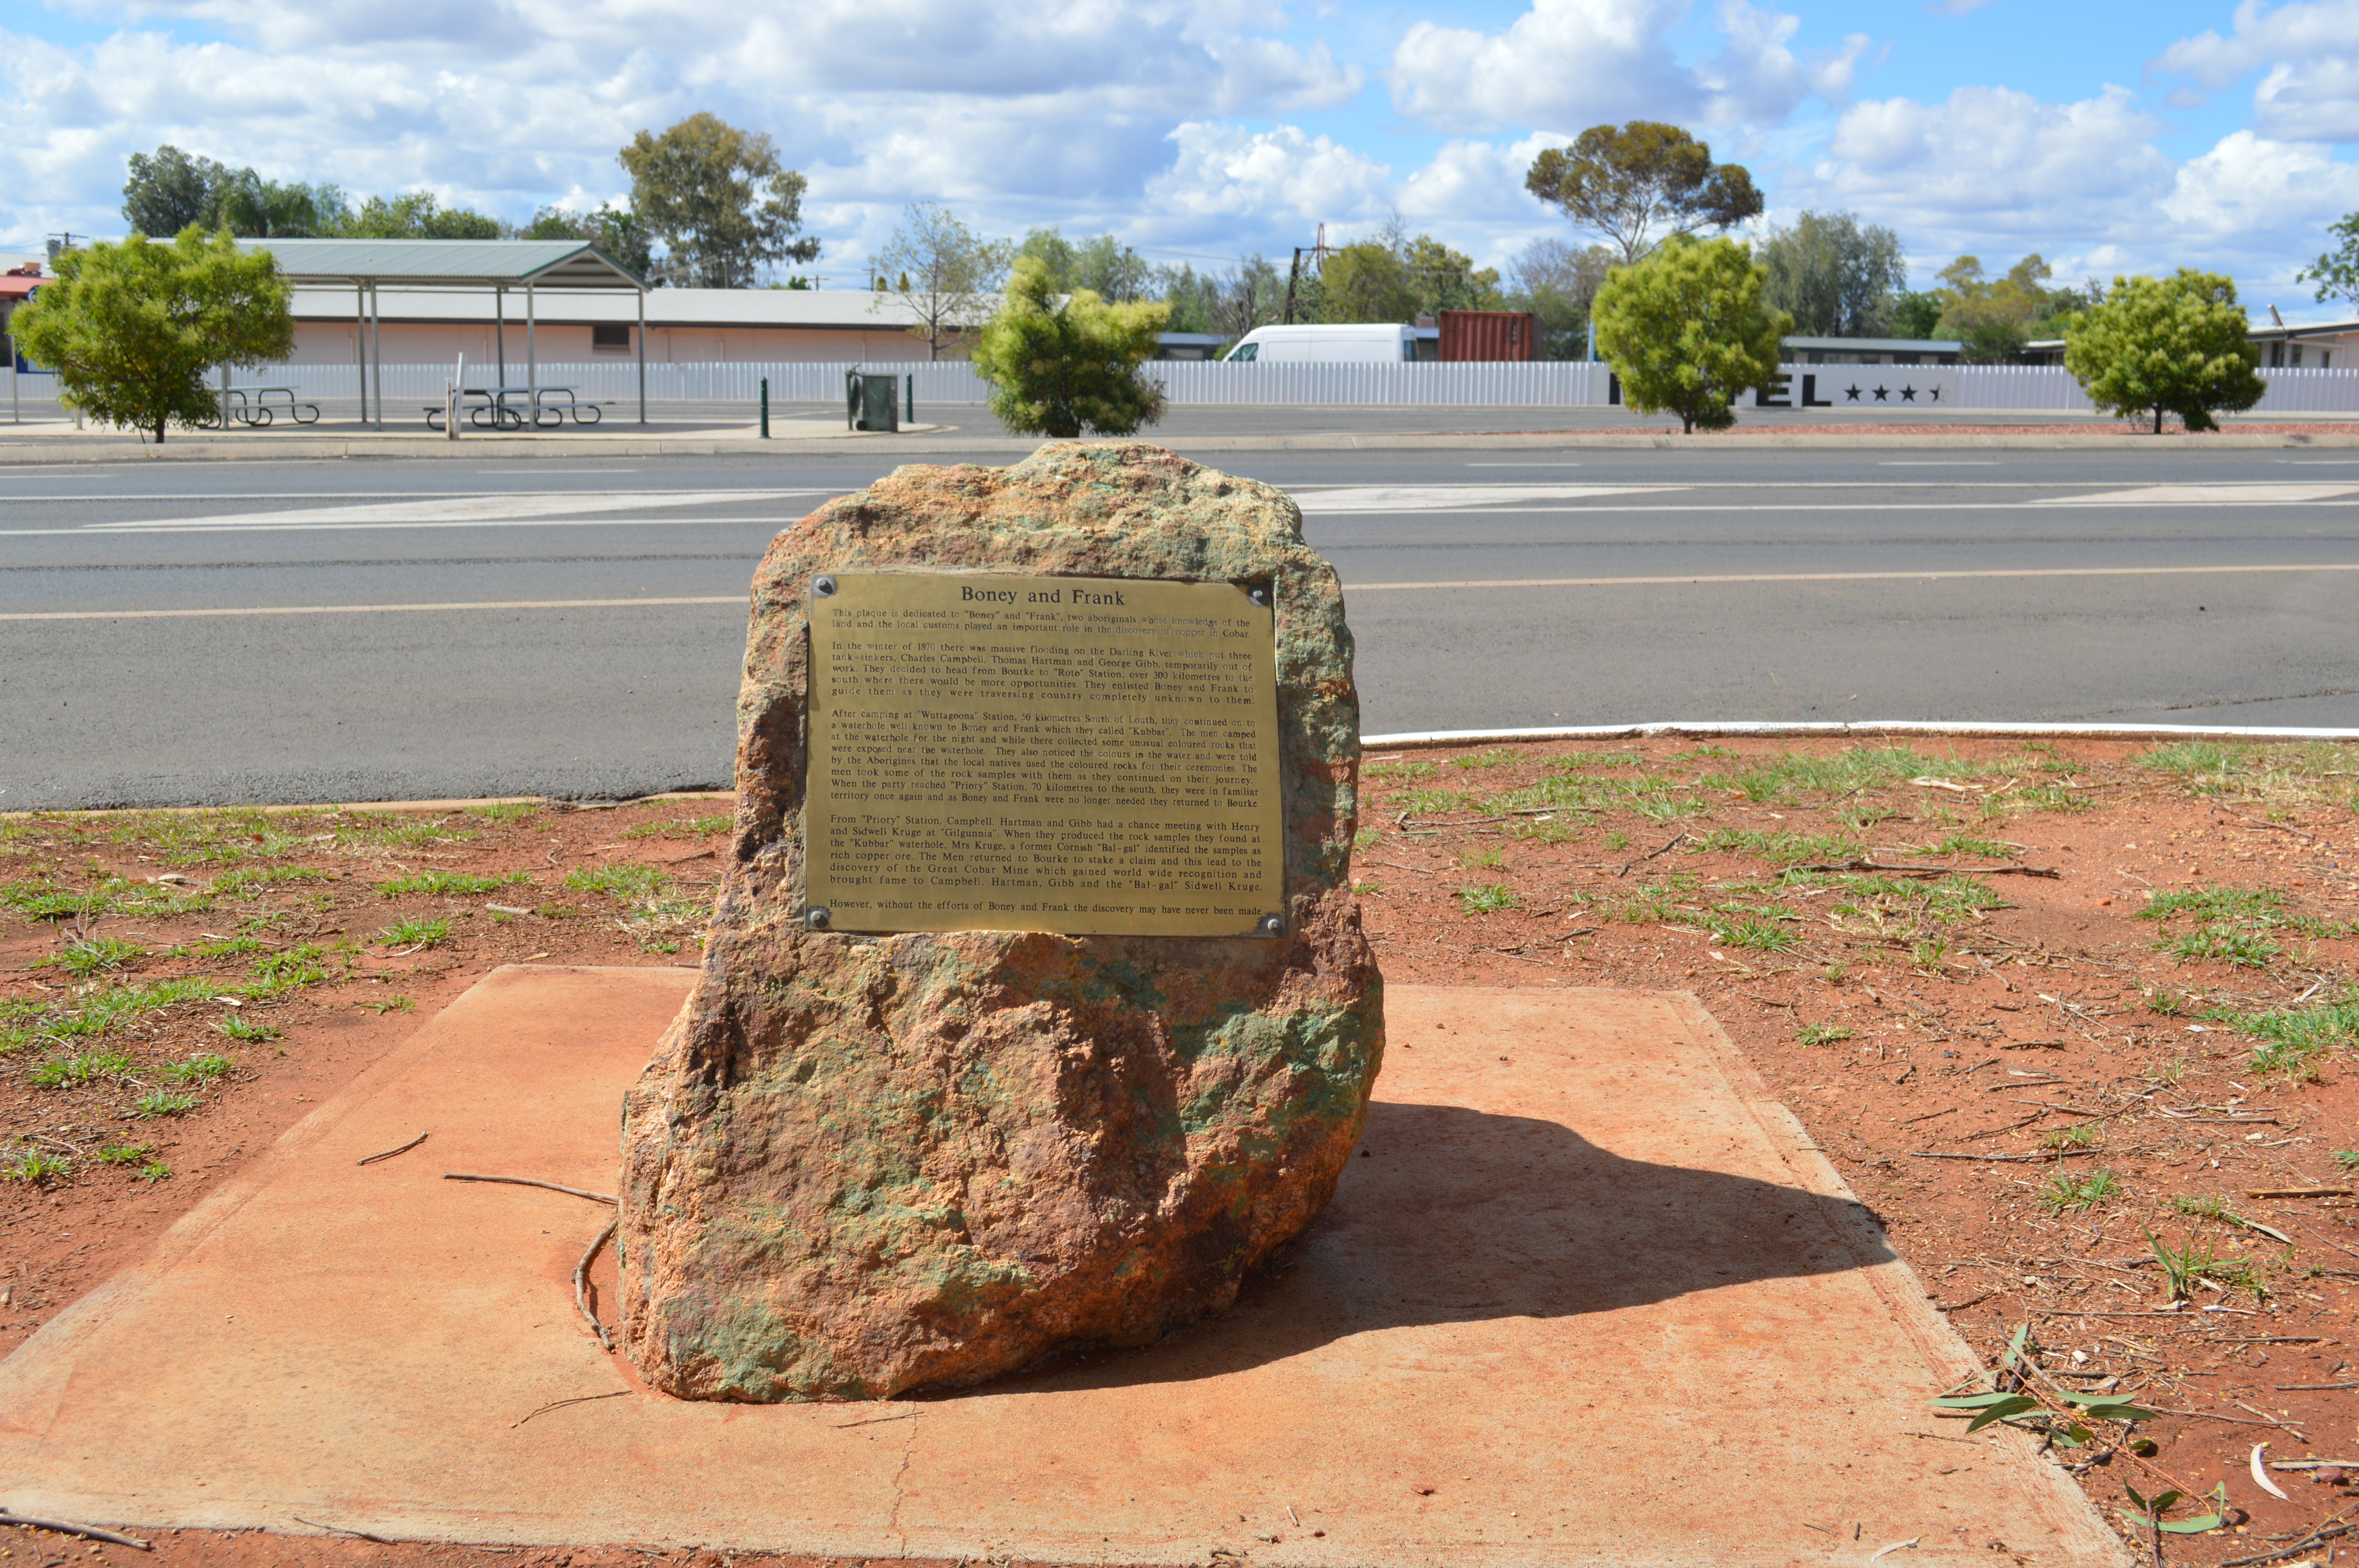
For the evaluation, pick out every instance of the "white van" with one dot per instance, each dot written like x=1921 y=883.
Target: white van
x=1370 y=343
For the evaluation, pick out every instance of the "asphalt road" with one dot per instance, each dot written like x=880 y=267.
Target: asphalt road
x=487 y=628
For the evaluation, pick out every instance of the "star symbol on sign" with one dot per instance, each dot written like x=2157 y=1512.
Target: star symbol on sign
x=1935 y=392
x=1880 y=395
x=1907 y=394
x=1851 y=395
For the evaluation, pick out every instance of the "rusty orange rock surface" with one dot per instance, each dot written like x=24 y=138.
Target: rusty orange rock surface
x=859 y=1165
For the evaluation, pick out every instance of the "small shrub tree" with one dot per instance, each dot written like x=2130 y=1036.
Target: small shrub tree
x=2173 y=345
x=132 y=329
x=1057 y=366
x=1687 y=331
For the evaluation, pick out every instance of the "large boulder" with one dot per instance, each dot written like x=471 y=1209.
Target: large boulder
x=861 y=1164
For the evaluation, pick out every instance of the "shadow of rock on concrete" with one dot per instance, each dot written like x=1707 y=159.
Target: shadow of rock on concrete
x=1451 y=1214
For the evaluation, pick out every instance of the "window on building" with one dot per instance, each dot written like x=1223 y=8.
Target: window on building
x=615 y=340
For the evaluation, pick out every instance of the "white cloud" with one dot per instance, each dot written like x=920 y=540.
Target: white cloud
x=2310 y=49
x=1236 y=176
x=1995 y=162
x=1568 y=64
x=2249 y=185
x=502 y=104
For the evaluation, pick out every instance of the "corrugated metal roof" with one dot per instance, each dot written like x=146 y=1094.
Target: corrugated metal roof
x=847 y=309
x=544 y=263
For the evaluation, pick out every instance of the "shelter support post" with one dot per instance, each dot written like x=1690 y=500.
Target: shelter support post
x=376 y=358
x=531 y=364
x=642 y=295
x=500 y=333
x=360 y=343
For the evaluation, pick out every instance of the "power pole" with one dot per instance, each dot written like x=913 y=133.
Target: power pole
x=1291 y=277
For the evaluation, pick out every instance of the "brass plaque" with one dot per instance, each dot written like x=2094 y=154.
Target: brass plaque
x=1085 y=755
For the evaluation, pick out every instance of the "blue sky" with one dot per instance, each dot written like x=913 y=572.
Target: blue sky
x=2107 y=138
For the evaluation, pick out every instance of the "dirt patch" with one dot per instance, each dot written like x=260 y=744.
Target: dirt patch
x=2058 y=1012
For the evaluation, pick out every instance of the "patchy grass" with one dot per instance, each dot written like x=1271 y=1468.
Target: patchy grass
x=384 y=1004
x=1490 y=758
x=2294 y=1041
x=1762 y=935
x=1486 y=898
x=505 y=811
x=201 y=1068
x=239 y=1027
x=39 y=1167
x=80 y=1068
x=1823 y=1034
x=415 y=934
x=2195 y=759
x=1784 y=848
x=624 y=882
x=2258 y=905
x=369 y=830
x=2222 y=945
x=162 y=1102
x=437 y=884
x=684 y=827
x=2067 y=1192
x=83 y=959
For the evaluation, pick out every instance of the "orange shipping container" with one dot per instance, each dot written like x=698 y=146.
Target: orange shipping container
x=1490 y=335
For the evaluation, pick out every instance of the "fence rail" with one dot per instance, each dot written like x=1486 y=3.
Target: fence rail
x=1543 y=384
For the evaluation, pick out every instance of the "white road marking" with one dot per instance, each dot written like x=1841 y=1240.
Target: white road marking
x=1450 y=497
x=2201 y=495
x=114 y=530
x=737 y=598
x=740 y=599
x=453 y=509
x=1842 y=576
x=348 y=496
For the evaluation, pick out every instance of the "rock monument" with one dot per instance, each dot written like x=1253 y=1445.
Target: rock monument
x=1036 y=1009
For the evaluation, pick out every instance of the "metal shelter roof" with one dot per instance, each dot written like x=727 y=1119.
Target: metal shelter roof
x=447 y=264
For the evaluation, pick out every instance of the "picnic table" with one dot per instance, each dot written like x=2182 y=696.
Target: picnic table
x=512 y=407
x=251 y=406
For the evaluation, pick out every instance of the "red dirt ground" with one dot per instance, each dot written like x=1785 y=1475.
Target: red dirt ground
x=1981 y=1011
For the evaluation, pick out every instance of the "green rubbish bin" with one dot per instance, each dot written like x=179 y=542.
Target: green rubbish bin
x=871 y=401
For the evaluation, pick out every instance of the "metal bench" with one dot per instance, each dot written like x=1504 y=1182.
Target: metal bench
x=251 y=407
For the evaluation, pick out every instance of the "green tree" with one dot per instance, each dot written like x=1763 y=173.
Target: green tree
x=719 y=199
x=168 y=190
x=613 y=230
x=1687 y=330
x=1837 y=277
x=1640 y=183
x=1060 y=364
x=417 y=215
x=2336 y=272
x=943 y=271
x=131 y=329
x=1993 y=318
x=254 y=208
x=1916 y=314
x=2173 y=345
x=1559 y=284
x=1391 y=277
x=1365 y=281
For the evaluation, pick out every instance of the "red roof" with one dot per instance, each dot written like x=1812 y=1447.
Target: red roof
x=14 y=288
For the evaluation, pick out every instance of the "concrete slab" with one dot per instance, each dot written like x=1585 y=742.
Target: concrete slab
x=1589 y=1297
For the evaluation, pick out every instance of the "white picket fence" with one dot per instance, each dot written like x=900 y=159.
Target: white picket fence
x=1543 y=384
